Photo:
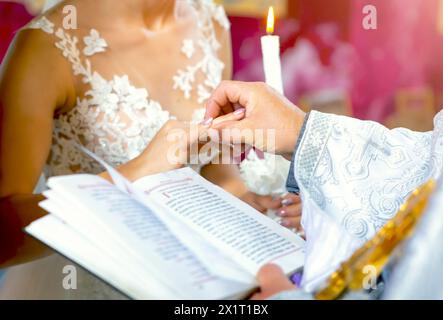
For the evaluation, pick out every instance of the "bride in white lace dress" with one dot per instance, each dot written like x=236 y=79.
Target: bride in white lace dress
x=110 y=84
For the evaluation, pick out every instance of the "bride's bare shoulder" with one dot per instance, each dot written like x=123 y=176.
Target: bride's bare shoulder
x=33 y=63
x=35 y=42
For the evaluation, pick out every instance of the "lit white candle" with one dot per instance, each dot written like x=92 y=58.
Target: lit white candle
x=271 y=55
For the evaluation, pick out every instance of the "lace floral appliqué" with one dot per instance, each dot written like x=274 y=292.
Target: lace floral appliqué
x=94 y=43
x=115 y=119
x=43 y=24
x=210 y=65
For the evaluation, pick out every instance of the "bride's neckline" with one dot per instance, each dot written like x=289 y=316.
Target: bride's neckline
x=114 y=118
x=95 y=44
x=166 y=29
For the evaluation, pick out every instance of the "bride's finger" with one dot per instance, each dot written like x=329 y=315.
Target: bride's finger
x=268 y=202
x=234 y=116
x=290 y=199
x=291 y=223
x=294 y=210
x=197 y=131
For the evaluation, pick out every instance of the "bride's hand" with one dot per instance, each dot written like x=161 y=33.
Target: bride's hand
x=158 y=156
x=290 y=212
x=169 y=148
x=287 y=208
x=261 y=203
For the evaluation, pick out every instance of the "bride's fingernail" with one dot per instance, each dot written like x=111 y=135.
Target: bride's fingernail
x=239 y=111
x=207 y=122
x=287 y=202
x=281 y=213
x=285 y=223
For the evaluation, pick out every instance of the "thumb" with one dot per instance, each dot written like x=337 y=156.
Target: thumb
x=272 y=280
x=225 y=98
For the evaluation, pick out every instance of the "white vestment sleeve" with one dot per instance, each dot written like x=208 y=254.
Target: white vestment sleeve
x=353 y=177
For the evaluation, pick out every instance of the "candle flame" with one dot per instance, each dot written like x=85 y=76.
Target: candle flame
x=271 y=21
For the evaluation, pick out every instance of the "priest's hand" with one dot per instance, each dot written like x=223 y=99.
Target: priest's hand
x=272 y=281
x=269 y=121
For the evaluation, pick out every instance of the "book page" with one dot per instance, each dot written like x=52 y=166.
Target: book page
x=99 y=210
x=62 y=238
x=225 y=267
x=232 y=226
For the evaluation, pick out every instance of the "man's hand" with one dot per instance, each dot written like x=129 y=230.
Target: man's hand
x=263 y=109
x=272 y=280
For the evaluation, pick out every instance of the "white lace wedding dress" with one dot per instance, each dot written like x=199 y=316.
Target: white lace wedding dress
x=116 y=120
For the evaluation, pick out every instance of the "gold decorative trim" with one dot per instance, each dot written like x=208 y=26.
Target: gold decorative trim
x=377 y=251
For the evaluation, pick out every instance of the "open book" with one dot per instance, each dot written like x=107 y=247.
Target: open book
x=167 y=236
